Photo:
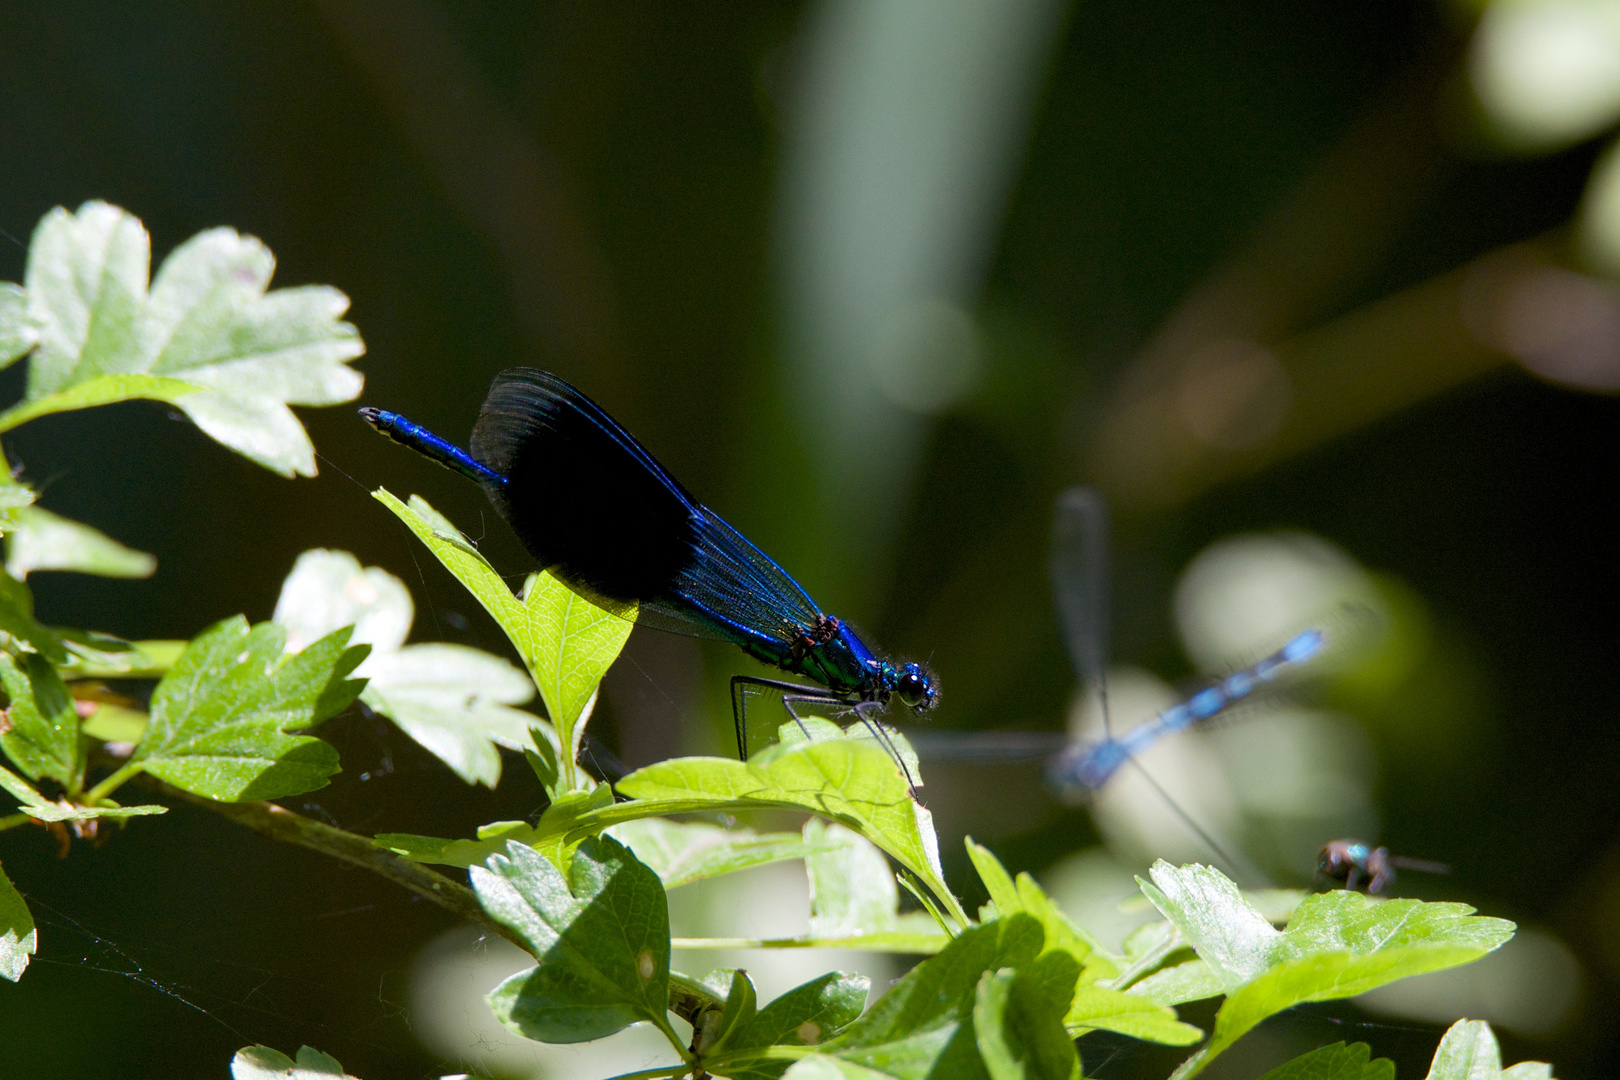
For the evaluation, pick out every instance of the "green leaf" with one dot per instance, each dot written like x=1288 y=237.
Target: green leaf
x=601 y=937
x=44 y=541
x=18 y=937
x=923 y=1023
x=451 y=699
x=68 y=812
x=13 y=496
x=220 y=718
x=566 y=642
x=684 y=852
x=821 y=1067
x=100 y=390
x=41 y=730
x=17 y=619
x=1335 y=1062
x=1027 y=896
x=809 y=1014
x=1338 y=945
x=114 y=723
x=1018 y=1023
x=853 y=897
x=99 y=656
x=263 y=1063
x=717 y=1029
x=1194 y=980
x=207 y=321
x=549 y=834
x=18 y=334
x=1469 y=1052
x=852 y=781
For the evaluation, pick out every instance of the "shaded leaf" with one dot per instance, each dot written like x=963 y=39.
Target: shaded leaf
x=44 y=541
x=221 y=716
x=566 y=642
x=18 y=936
x=601 y=936
x=17 y=619
x=207 y=321
x=923 y=1022
x=451 y=699
x=1335 y=1062
x=821 y=1067
x=41 y=730
x=13 y=497
x=1018 y=1023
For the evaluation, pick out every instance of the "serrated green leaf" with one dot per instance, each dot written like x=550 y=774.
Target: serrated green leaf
x=101 y=656
x=1335 y=1062
x=1018 y=1021
x=821 y=1067
x=100 y=390
x=44 y=541
x=809 y=1014
x=17 y=619
x=923 y=1023
x=453 y=700
x=263 y=1063
x=41 y=730
x=13 y=497
x=566 y=642
x=207 y=322
x=1194 y=980
x=601 y=937
x=18 y=936
x=220 y=718
x=18 y=334
x=1338 y=945
x=684 y=852
x=1469 y=1052
x=1026 y=895
x=852 y=781
x=68 y=812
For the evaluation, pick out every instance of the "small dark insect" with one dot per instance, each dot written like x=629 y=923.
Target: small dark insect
x=1357 y=867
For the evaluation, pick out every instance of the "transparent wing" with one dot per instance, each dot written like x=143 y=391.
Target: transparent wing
x=1079 y=570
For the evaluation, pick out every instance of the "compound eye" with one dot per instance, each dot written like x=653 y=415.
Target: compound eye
x=912 y=689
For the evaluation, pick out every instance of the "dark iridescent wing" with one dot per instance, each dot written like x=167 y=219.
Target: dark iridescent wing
x=596 y=509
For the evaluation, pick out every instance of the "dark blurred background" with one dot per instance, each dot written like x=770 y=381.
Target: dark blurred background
x=876 y=280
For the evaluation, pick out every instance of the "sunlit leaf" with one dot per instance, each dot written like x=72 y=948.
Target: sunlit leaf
x=1335 y=1062
x=68 y=812
x=263 y=1063
x=601 y=936
x=221 y=718
x=852 y=781
x=1338 y=945
x=14 y=497
x=18 y=937
x=1469 y=1052
x=18 y=334
x=44 y=541
x=453 y=700
x=566 y=642
x=231 y=355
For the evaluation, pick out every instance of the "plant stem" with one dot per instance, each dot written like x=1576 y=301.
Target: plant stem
x=11 y=821
x=118 y=779
x=279 y=823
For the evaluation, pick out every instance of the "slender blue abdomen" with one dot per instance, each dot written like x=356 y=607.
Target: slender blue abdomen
x=1091 y=766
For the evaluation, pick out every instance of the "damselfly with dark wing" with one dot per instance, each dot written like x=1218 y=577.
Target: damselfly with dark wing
x=594 y=508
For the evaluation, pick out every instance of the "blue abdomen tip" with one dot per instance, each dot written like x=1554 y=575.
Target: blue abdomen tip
x=1304 y=646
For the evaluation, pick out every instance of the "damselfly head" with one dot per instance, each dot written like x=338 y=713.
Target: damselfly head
x=917 y=688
